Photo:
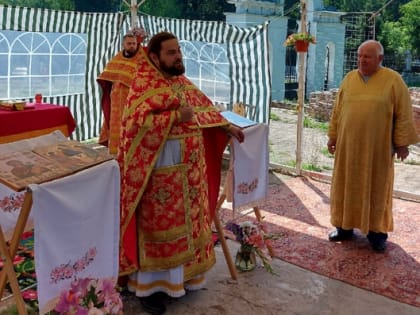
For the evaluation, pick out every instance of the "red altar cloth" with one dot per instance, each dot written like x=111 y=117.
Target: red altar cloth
x=29 y=123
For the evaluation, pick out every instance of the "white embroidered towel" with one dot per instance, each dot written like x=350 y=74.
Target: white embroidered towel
x=76 y=229
x=250 y=168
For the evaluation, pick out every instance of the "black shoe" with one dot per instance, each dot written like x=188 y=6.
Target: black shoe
x=153 y=304
x=340 y=234
x=125 y=294
x=377 y=241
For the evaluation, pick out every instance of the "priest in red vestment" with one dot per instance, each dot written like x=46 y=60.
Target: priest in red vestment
x=170 y=153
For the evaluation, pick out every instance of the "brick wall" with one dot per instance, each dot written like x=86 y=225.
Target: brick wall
x=320 y=105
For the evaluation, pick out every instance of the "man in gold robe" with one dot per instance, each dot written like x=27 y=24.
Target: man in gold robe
x=170 y=153
x=115 y=82
x=371 y=124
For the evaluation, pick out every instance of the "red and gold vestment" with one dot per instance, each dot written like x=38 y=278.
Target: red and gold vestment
x=115 y=82
x=166 y=212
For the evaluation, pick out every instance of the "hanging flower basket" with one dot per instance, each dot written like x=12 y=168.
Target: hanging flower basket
x=300 y=41
x=301 y=45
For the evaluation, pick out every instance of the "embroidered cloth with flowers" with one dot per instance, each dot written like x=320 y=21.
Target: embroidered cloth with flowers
x=90 y=296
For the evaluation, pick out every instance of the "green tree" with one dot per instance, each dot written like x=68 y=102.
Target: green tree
x=402 y=35
x=386 y=9
x=165 y=8
x=45 y=4
x=209 y=10
x=411 y=23
x=397 y=22
x=97 y=5
x=394 y=37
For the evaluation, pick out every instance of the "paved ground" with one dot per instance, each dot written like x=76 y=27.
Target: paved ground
x=294 y=291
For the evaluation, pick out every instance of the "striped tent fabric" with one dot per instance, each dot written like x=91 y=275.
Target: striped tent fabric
x=247 y=54
x=247 y=50
x=103 y=33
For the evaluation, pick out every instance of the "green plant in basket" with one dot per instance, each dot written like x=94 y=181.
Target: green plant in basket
x=302 y=36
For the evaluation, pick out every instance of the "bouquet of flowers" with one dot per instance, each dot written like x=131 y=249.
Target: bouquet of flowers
x=91 y=297
x=254 y=239
x=140 y=34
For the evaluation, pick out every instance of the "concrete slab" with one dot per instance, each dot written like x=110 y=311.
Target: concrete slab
x=294 y=291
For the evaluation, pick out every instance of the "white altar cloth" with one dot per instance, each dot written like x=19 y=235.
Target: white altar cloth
x=76 y=229
x=250 y=168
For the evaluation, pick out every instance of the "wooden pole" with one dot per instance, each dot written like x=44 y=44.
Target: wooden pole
x=9 y=253
x=301 y=92
x=221 y=234
x=9 y=272
x=134 y=18
x=133 y=9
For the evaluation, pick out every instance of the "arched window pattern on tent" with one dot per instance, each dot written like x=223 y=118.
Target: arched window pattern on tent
x=49 y=63
x=215 y=72
x=29 y=56
x=208 y=67
x=4 y=68
x=190 y=55
x=68 y=59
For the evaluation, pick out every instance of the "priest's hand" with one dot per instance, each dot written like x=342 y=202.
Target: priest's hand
x=402 y=152
x=186 y=113
x=331 y=145
x=237 y=132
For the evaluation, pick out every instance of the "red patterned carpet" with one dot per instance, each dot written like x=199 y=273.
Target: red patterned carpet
x=298 y=210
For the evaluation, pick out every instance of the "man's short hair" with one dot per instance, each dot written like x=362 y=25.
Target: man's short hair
x=129 y=35
x=155 y=42
x=378 y=46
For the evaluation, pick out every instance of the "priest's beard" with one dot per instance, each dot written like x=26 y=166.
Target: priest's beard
x=129 y=53
x=176 y=69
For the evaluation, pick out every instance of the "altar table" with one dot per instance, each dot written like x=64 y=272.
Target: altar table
x=29 y=123
x=67 y=222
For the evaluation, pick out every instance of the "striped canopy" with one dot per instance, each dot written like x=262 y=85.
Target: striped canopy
x=247 y=50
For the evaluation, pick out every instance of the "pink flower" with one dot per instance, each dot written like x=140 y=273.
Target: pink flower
x=90 y=296
x=68 y=303
x=30 y=295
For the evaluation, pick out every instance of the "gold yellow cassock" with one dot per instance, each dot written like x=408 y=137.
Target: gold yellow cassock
x=369 y=119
